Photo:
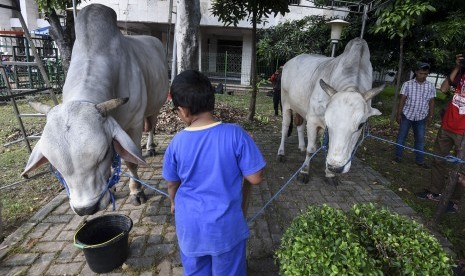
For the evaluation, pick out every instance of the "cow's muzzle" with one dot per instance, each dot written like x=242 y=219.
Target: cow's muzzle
x=335 y=169
x=100 y=204
x=88 y=210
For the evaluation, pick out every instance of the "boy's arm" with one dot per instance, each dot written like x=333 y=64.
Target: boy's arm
x=172 y=189
x=255 y=178
x=452 y=78
x=402 y=101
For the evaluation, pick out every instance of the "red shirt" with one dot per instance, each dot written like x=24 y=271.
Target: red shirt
x=454 y=117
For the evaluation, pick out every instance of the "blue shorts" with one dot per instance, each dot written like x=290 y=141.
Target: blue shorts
x=231 y=263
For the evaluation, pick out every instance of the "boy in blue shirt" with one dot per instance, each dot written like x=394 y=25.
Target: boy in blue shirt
x=204 y=166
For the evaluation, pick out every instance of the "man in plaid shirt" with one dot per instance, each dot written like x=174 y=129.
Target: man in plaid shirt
x=415 y=110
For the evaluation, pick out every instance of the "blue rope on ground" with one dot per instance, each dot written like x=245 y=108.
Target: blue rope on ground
x=282 y=187
x=146 y=184
x=448 y=158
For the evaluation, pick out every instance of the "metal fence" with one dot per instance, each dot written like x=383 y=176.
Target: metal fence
x=234 y=69
x=17 y=48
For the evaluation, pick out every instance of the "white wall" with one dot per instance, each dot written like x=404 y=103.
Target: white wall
x=5 y=15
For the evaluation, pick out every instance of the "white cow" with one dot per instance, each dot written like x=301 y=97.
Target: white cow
x=329 y=92
x=113 y=83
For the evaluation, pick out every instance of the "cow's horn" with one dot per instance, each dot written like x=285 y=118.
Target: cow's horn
x=105 y=107
x=370 y=94
x=40 y=107
x=327 y=88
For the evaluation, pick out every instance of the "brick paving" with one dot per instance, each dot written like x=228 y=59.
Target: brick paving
x=44 y=245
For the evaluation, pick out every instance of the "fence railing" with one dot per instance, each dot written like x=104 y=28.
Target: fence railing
x=234 y=69
x=17 y=48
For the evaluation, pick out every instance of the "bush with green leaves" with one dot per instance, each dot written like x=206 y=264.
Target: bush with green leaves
x=367 y=240
x=322 y=241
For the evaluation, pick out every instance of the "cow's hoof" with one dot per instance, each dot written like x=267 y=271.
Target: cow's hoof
x=138 y=198
x=151 y=152
x=303 y=177
x=334 y=181
x=142 y=197
x=281 y=158
x=134 y=200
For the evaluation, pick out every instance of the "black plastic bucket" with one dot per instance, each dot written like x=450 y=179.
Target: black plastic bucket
x=104 y=241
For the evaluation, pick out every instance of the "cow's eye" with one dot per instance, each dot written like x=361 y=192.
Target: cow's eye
x=360 y=126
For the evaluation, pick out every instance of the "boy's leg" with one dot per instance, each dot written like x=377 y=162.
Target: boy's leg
x=231 y=263
x=439 y=169
x=276 y=98
x=200 y=266
x=401 y=136
x=419 y=130
x=459 y=189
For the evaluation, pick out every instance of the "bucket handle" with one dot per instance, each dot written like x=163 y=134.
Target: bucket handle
x=82 y=246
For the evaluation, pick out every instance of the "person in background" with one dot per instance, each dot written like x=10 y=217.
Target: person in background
x=276 y=82
x=416 y=109
x=449 y=138
x=204 y=166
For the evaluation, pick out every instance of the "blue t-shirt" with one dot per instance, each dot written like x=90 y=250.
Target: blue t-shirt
x=210 y=163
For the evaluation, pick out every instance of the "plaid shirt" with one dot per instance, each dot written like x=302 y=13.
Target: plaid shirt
x=418 y=97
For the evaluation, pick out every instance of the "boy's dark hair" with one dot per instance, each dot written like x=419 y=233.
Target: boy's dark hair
x=193 y=90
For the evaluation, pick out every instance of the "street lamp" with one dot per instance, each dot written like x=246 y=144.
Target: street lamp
x=336 y=30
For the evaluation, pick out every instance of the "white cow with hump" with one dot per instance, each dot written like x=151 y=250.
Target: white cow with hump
x=113 y=83
x=332 y=93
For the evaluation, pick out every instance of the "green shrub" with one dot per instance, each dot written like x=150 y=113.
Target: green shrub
x=365 y=241
x=322 y=241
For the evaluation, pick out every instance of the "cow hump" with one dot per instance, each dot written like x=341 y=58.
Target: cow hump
x=96 y=25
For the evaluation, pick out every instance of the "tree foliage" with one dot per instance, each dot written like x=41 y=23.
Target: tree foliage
x=397 y=18
x=291 y=38
x=230 y=12
x=64 y=37
x=47 y=6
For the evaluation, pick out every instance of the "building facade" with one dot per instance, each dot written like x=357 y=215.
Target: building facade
x=224 y=51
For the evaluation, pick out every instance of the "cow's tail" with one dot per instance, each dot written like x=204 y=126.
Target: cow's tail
x=291 y=125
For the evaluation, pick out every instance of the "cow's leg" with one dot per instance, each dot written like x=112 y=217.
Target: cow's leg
x=287 y=113
x=311 y=148
x=332 y=178
x=301 y=136
x=150 y=124
x=136 y=195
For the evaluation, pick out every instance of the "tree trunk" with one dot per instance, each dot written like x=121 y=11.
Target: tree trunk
x=64 y=38
x=398 y=81
x=253 y=96
x=187 y=32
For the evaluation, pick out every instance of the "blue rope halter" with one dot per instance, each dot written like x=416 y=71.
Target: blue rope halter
x=112 y=180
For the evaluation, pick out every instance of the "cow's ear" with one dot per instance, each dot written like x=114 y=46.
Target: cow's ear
x=126 y=148
x=327 y=88
x=370 y=94
x=36 y=159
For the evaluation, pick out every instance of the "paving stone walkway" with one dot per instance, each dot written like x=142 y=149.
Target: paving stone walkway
x=44 y=245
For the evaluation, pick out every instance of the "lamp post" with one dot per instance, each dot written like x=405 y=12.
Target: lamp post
x=336 y=30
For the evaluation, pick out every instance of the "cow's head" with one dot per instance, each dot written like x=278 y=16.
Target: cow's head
x=77 y=140
x=345 y=116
